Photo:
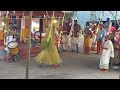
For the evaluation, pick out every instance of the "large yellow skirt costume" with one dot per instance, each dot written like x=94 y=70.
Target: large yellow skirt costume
x=49 y=54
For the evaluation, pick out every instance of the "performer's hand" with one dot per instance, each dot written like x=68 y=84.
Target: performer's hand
x=112 y=57
x=105 y=48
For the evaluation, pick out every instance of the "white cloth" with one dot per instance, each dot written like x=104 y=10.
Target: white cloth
x=106 y=54
x=108 y=27
x=37 y=34
x=9 y=39
x=65 y=41
x=74 y=42
x=23 y=23
x=101 y=34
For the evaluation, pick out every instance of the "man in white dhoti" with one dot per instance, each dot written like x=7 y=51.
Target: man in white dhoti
x=65 y=33
x=107 y=53
x=75 y=37
x=108 y=25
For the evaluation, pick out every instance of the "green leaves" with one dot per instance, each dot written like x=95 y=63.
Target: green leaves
x=5 y=20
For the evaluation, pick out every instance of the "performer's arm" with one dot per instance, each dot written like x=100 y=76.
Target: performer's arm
x=105 y=48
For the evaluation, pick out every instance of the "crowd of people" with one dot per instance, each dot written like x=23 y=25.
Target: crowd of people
x=104 y=37
x=101 y=37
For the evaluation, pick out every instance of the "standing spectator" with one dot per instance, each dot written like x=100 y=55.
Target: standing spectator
x=100 y=39
x=107 y=53
x=108 y=26
x=87 y=40
x=65 y=33
x=75 y=37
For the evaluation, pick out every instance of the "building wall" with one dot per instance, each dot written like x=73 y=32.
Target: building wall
x=86 y=15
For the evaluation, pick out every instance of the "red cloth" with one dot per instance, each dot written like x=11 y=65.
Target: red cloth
x=112 y=29
x=99 y=46
x=87 y=50
x=119 y=41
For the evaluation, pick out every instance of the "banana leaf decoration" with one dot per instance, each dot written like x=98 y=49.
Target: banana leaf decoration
x=44 y=43
x=59 y=26
x=5 y=28
x=5 y=20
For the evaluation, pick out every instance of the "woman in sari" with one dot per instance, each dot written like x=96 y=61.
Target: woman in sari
x=87 y=41
x=107 y=53
x=100 y=39
x=94 y=43
x=49 y=54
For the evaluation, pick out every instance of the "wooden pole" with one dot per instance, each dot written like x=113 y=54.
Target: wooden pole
x=116 y=21
x=115 y=18
x=29 y=44
x=40 y=28
x=39 y=38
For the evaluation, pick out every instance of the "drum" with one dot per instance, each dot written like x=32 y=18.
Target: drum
x=13 y=47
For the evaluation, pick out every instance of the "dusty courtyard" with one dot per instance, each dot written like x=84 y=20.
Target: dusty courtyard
x=74 y=66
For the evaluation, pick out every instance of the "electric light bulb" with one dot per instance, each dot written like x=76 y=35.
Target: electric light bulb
x=44 y=16
x=7 y=11
x=76 y=18
x=3 y=23
x=55 y=21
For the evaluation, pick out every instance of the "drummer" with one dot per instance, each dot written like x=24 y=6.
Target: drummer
x=12 y=51
x=9 y=39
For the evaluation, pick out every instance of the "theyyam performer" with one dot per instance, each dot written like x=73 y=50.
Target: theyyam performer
x=49 y=54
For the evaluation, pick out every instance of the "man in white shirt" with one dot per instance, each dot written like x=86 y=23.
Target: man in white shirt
x=108 y=26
